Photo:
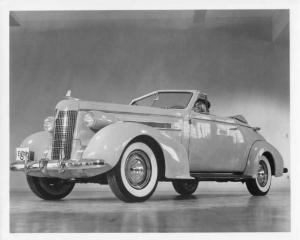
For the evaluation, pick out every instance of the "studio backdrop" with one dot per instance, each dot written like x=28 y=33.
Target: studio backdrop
x=239 y=58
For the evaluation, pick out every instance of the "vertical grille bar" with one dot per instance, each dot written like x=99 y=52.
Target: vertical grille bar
x=63 y=135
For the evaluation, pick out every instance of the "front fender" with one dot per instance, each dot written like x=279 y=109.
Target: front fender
x=257 y=150
x=109 y=143
x=37 y=142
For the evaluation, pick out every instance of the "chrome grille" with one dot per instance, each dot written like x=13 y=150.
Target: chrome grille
x=64 y=126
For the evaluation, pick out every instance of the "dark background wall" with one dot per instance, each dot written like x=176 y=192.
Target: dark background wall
x=241 y=68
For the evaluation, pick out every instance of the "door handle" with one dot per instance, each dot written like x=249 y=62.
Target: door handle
x=233 y=128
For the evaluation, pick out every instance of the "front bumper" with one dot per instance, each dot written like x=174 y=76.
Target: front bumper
x=61 y=169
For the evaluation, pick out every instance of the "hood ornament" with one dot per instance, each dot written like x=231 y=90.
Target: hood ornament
x=68 y=94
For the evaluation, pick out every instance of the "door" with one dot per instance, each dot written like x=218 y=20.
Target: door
x=216 y=144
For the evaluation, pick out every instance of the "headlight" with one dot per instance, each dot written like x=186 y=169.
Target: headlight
x=89 y=119
x=49 y=124
x=97 y=120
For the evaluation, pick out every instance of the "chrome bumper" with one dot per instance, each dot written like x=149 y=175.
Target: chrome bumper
x=61 y=169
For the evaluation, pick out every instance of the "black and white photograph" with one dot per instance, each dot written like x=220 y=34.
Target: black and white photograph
x=150 y=121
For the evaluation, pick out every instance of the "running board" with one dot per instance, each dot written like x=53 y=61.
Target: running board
x=219 y=177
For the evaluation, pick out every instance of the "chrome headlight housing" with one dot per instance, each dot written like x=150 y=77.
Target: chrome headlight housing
x=97 y=120
x=89 y=119
x=49 y=124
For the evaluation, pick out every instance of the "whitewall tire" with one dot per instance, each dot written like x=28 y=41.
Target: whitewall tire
x=260 y=185
x=135 y=177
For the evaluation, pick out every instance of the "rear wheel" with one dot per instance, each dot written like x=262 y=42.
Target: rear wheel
x=135 y=177
x=185 y=187
x=49 y=188
x=260 y=185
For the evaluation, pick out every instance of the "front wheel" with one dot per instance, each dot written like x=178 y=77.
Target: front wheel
x=260 y=185
x=135 y=177
x=185 y=187
x=49 y=188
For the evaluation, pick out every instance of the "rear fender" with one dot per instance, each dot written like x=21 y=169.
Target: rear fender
x=258 y=149
x=38 y=143
x=109 y=143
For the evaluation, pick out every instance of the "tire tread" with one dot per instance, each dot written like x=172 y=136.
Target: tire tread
x=179 y=188
x=34 y=185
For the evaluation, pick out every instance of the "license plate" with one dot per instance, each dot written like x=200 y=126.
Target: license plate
x=23 y=154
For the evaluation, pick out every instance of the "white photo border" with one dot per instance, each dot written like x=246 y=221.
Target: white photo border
x=19 y=5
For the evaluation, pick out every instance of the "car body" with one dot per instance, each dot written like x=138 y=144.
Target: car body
x=171 y=137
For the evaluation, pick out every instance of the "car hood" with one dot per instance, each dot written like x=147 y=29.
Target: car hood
x=81 y=105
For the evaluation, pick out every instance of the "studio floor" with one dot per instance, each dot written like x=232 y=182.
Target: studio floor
x=165 y=211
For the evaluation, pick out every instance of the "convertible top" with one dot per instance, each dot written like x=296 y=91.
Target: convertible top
x=240 y=118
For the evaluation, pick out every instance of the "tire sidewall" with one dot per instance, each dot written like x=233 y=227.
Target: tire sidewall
x=150 y=187
x=39 y=190
x=265 y=188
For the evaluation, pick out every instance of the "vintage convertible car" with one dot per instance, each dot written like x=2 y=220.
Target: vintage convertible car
x=166 y=135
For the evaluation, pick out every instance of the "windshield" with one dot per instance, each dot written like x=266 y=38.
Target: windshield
x=168 y=100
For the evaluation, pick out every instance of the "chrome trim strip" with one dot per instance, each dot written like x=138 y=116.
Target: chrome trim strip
x=132 y=113
x=220 y=121
x=169 y=129
x=154 y=124
x=158 y=126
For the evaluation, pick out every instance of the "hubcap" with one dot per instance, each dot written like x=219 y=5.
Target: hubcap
x=262 y=175
x=138 y=169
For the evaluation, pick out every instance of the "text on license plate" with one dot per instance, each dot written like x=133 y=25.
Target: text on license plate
x=23 y=154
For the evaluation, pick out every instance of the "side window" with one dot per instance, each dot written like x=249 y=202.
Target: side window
x=200 y=106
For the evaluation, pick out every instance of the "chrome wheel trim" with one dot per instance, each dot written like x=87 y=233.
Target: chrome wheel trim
x=147 y=189
x=259 y=180
x=262 y=175
x=138 y=169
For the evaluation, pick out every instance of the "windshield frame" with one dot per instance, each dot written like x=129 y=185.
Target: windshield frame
x=164 y=91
